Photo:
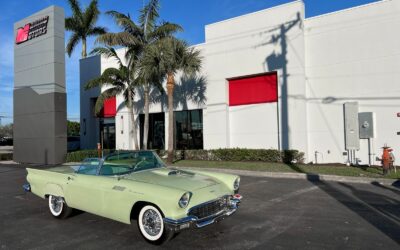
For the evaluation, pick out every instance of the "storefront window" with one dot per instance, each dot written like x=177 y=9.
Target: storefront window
x=156 y=133
x=189 y=129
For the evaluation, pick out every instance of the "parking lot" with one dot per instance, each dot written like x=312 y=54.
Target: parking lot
x=275 y=214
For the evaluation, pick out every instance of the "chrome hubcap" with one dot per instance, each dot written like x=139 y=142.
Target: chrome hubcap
x=56 y=204
x=151 y=222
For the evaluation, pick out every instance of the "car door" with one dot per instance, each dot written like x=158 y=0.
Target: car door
x=83 y=192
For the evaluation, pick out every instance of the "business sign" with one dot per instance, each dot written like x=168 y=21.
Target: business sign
x=32 y=30
x=40 y=114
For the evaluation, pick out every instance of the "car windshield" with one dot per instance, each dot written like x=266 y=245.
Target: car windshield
x=121 y=163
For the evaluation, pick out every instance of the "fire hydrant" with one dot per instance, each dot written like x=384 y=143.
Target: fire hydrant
x=387 y=159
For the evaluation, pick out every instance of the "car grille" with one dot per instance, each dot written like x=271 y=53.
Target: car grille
x=209 y=208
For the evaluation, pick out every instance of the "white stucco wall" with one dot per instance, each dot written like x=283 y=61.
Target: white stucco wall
x=268 y=40
x=322 y=62
x=353 y=55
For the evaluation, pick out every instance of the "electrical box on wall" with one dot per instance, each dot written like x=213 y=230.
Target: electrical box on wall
x=366 y=121
x=351 y=127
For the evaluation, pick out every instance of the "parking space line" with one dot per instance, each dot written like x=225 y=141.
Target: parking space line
x=292 y=194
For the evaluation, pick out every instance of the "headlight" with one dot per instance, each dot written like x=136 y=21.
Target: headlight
x=184 y=201
x=236 y=184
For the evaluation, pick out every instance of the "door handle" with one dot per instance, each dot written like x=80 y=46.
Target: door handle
x=70 y=178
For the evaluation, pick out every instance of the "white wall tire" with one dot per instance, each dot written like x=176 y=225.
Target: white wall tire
x=151 y=225
x=58 y=208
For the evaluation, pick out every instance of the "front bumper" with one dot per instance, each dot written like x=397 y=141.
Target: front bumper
x=194 y=222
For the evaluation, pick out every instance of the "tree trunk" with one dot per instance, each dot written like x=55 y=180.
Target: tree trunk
x=134 y=131
x=170 y=92
x=84 y=55
x=146 y=116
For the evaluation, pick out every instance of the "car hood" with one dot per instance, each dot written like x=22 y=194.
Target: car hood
x=179 y=179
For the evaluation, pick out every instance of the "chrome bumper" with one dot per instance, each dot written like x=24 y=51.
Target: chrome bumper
x=27 y=187
x=194 y=222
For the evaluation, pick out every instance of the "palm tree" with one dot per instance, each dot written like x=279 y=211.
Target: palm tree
x=118 y=81
x=138 y=38
x=167 y=57
x=82 y=24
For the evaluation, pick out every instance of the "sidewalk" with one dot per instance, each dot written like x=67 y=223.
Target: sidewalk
x=310 y=177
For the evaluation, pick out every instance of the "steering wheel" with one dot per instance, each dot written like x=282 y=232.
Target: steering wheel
x=140 y=162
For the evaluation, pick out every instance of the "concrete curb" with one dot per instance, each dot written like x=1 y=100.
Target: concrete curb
x=302 y=176
x=310 y=177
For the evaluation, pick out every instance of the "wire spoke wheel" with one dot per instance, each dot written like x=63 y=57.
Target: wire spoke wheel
x=151 y=222
x=151 y=225
x=56 y=205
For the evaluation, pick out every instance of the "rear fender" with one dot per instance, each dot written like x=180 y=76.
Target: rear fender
x=54 y=189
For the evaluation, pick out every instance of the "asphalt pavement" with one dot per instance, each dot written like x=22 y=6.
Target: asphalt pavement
x=275 y=214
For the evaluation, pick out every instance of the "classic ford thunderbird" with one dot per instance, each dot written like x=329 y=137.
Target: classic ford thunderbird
x=136 y=186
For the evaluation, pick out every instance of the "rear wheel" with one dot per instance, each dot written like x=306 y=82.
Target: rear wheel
x=151 y=226
x=58 y=207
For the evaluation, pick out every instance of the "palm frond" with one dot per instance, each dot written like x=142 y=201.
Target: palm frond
x=97 y=31
x=72 y=24
x=191 y=61
x=72 y=42
x=107 y=52
x=76 y=9
x=107 y=94
x=110 y=77
x=125 y=22
x=149 y=15
x=166 y=29
x=124 y=39
x=91 y=14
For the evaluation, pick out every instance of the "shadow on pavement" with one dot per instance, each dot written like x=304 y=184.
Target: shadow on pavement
x=381 y=211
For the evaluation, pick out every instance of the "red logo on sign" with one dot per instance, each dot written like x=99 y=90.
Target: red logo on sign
x=23 y=34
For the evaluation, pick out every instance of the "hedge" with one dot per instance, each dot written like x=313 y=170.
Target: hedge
x=78 y=156
x=238 y=154
x=6 y=157
x=227 y=154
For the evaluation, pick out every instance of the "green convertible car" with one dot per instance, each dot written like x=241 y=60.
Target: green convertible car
x=137 y=186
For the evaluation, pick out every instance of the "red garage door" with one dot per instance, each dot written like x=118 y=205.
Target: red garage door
x=261 y=88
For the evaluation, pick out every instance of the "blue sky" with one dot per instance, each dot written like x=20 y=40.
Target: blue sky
x=193 y=15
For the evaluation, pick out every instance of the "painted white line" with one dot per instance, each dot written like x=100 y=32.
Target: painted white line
x=292 y=194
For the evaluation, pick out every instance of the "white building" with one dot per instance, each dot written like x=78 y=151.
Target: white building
x=321 y=63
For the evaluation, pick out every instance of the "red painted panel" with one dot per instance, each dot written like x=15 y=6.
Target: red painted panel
x=22 y=34
x=253 y=89
x=110 y=108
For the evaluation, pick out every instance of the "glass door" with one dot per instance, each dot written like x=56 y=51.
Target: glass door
x=107 y=133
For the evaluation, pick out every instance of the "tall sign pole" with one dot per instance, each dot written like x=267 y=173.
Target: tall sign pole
x=40 y=123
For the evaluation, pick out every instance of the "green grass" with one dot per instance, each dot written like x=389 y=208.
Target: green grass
x=340 y=170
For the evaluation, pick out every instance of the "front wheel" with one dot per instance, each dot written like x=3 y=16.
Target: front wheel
x=151 y=226
x=58 y=208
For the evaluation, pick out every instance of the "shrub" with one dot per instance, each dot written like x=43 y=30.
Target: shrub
x=292 y=156
x=79 y=156
x=223 y=154
x=6 y=157
x=238 y=154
